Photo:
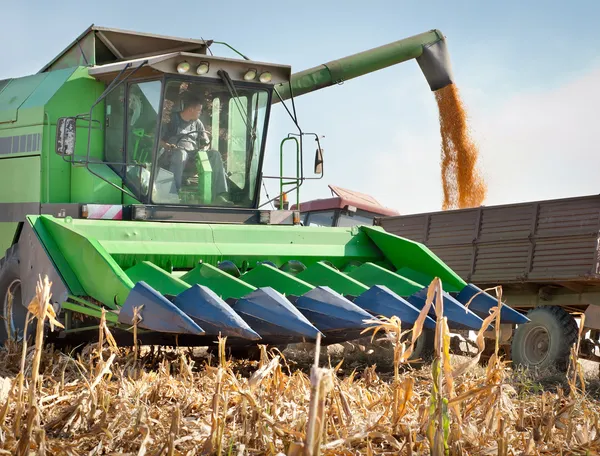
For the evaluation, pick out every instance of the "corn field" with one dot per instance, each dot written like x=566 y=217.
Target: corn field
x=145 y=401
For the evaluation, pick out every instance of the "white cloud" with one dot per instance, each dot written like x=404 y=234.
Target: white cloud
x=532 y=146
x=542 y=145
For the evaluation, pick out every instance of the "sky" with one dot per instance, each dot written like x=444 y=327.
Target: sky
x=527 y=73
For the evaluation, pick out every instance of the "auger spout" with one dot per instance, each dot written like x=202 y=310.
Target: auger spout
x=429 y=49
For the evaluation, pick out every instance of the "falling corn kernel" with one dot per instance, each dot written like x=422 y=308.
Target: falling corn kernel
x=463 y=184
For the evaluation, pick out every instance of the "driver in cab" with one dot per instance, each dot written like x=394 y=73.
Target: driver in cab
x=185 y=134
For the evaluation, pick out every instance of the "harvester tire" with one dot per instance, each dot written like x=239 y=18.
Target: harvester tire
x=250 y=352
x=13 y=312
x=545 y=341
x=424 y=348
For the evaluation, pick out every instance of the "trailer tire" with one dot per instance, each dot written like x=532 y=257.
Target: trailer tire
x=13 y=314
x=546 y=340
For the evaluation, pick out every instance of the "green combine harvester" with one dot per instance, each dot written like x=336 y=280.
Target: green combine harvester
x=130 y=175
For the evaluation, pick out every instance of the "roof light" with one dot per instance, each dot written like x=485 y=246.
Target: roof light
x=250 y=74
x=202 y=68
x=183 y=67
x=265 y=77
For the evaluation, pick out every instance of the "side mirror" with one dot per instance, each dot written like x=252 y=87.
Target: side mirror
x=319 y=161
x=65 y=136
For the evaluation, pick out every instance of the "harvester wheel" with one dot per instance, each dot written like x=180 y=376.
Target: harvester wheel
x=14 y=313
x=546 y=340
x=424 y=347
x=250 y=352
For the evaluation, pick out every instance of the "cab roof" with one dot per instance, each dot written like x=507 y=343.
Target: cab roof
x=101 y=45
x=344 y=197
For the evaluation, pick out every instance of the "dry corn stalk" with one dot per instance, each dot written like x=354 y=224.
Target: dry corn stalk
x=41 y=308
x=262 y=409
x=321 y=383
x=438 y=427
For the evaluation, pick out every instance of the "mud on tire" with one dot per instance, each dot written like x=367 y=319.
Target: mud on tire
x=424 y=348
x=545 y=341
x=12 y=312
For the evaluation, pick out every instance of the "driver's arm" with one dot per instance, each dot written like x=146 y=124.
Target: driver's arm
x=167 y=132
x=166 y=145
x=203 y=139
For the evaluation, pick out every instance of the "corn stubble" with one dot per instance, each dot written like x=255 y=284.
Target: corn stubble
x=107 y=400
x=462 y=182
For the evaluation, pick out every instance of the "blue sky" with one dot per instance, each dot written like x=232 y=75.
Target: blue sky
x=527 y=72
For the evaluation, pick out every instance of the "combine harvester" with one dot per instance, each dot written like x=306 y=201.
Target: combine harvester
x=107 y=188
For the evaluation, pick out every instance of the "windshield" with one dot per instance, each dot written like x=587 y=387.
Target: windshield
x=209 y=144
x=327 y=218
x=323 y=218
x=348 y=220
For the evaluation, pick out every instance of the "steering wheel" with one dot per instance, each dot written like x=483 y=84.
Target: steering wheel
x=199 y=135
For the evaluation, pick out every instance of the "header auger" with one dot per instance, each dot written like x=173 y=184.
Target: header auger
x=130 y=175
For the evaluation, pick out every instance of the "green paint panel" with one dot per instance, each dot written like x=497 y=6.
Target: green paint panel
x=88 y=188
x=402 y=252
x=182 y=245
x=321 y=274
x=47 y=88
x=370 y=274
x=74 y=97
x=279 y=244
x=55 y=254
x=205 y=175
x=84 y=302
x=223 y=284
x=4 y=83
x=20 y=179
x=129 y=200
x=415 y=276
x=113 y=318
x=351 y=266
x=265 y=275
x=15 y=94
x=98 y=273
x=157 y=278
x=7 y=234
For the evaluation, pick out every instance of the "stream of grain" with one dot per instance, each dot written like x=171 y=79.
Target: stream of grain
x=463 y=184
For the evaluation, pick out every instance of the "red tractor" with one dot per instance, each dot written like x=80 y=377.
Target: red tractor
x=345 y=208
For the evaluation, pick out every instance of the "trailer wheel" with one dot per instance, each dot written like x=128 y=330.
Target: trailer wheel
x=546 y=340
x=14 y=313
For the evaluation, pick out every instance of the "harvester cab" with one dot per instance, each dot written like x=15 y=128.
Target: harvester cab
x=181 y=128
x=130 y=173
